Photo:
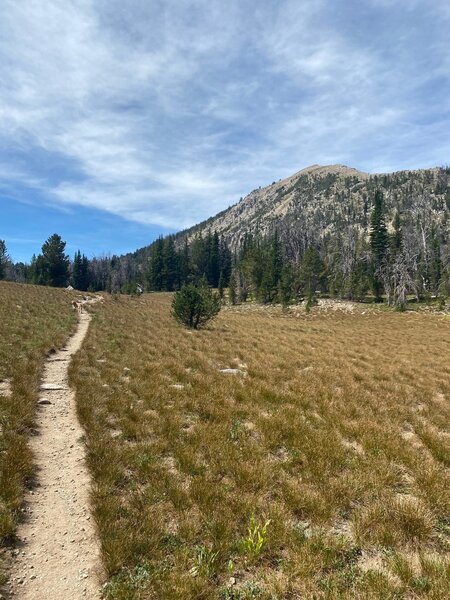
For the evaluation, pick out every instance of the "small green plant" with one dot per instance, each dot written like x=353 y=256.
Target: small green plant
x=236 y=430
x=310 y=302
x=253 y=544
x=127 y=582
x=204 y=562
x=193 y=306
x=248 y=591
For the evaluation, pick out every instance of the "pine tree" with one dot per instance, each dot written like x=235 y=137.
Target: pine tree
x=76 y=271
x=435 y=269
x=267 y=268
x=80 y=272
x=170 y=265
x=184 y=264
x=4 y=259
x=31 y=271
x=311 y=274
x=54 y=262
x=213 y=260
x=155 y=276
x=195 y=305
x=232 y=295
x=378 y=243
x=85 y=273
x=360 y=281
x=286 y=286
x=200 y=257
x=221 y=285
x=276 y=259
x=225 y=260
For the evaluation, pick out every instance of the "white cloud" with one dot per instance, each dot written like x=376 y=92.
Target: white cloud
x=166 y=112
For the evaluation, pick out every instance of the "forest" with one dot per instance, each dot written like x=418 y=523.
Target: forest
x=391 y=255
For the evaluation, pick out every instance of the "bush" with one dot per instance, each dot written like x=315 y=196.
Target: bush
x=194 y=306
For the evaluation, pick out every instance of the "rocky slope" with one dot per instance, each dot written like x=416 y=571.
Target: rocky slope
x=320 y=200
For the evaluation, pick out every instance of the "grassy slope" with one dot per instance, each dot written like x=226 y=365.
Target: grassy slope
x=33 y=321
x=338 y=435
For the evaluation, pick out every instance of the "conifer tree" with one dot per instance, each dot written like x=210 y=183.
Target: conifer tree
x=276 y=259
x=378 y=243
x=85 y=273
x=54 y=263
x=4 y=259
x=184 y=264
x=195 y=305
x=232 y=295
x=435 y=270
x=80 y=276
x=267 y=269
x=221 y=285
x=200 y=257
x=225 y=260
x=311 y=274
x=213 y=260
x=286 y=286
x=156 y=266
x=76 y=270
x=170 y=265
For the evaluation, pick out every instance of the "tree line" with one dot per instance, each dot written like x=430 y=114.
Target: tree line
x=207 y=258
x=370 y=265
x=53 y=267
x=285 y=266
x=165 y=267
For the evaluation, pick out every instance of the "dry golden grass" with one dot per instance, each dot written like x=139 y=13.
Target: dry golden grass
x=33 y=321
x=319 y=469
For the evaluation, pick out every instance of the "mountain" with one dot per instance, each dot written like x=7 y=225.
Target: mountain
x=320 y=201
x=313 y=230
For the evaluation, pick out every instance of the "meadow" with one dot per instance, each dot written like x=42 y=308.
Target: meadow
x=271 y=455
x=33 y=321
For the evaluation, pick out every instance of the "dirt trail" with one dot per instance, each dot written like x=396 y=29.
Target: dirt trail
x=58 y=552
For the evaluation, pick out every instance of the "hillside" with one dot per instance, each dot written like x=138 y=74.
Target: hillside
x=322 y=200
x=327 y=209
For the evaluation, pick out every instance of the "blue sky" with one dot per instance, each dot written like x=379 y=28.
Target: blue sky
x=123 y=120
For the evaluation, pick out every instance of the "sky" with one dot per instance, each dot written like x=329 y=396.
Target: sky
x=121 y=121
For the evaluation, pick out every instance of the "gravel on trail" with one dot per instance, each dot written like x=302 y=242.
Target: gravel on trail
x=57 y=556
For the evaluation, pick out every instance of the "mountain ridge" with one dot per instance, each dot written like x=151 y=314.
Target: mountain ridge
x=326 y=189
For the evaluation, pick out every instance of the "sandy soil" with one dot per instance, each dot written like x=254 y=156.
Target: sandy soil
x=57 y=557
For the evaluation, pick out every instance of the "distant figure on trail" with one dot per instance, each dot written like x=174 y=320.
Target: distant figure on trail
x=78 y=306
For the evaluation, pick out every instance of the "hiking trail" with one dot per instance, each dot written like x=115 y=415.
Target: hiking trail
x=58 y=555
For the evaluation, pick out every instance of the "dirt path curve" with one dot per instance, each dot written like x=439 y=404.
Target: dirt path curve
x=58 y=556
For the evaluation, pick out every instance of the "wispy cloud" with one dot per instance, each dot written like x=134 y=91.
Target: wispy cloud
x=166 y=112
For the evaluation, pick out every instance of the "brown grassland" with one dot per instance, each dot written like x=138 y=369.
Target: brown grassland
x=318 y=469
x=33 y=321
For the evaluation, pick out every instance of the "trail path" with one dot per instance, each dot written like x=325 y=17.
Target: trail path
x=58 y=555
